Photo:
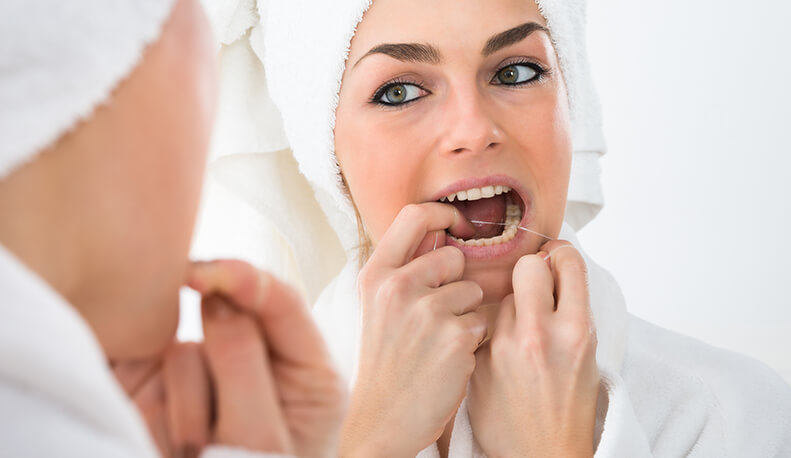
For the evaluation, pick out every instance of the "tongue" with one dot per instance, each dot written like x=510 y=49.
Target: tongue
x=491 y=210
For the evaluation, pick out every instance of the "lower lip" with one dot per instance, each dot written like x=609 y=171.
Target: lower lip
x=492 y=251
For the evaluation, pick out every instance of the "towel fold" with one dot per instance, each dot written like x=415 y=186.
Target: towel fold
x=59 y=60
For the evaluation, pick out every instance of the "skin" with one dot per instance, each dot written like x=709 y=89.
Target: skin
x=105 y=216
x=534 y=381
x=128 y=184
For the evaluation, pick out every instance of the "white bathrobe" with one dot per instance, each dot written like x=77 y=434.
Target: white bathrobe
x=669 y=395
x=58 y=397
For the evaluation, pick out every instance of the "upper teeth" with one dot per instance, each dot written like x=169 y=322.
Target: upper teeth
x=476 y=193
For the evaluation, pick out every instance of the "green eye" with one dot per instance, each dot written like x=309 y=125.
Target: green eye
x=515 y=74
x=398 y=94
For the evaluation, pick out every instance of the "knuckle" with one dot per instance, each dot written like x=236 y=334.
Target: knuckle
x=444 y=269
x=454 y=256
x=412 y=212
x=366 y=277
x=429 y=302
x=579 y=335
x=391 y=289
x=452 y=263
x=536 y=340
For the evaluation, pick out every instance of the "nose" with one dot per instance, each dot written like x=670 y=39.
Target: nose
x=470 y=125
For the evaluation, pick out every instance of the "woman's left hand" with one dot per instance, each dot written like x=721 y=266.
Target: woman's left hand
x=535 y=385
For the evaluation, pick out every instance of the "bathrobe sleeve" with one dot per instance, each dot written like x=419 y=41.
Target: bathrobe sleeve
x=33 y=426
x=621 y=434
x=677 y=396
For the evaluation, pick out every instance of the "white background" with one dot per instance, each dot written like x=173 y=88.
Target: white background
x=697 y=110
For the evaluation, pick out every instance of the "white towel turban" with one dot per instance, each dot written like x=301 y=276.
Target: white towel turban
x=59 y=59
x=269 y=106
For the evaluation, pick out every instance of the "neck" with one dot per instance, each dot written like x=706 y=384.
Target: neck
x=34 y=226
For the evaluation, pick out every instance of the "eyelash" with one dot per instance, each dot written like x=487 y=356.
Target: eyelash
x=541 y=73
x=376 y=99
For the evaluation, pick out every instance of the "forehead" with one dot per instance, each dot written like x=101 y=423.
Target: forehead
x=446 y=24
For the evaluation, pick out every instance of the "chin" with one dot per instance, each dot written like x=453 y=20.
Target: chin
x=144 y=333
x=494 y=280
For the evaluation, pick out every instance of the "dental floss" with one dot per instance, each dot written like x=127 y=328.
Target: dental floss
x=436 y=238
x=518 y=227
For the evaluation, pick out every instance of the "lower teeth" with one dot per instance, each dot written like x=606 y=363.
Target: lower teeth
x=513 y=215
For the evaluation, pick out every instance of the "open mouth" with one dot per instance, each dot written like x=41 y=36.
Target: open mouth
x=495 y=211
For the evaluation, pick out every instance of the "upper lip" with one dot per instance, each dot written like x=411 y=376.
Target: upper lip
x=479 y=182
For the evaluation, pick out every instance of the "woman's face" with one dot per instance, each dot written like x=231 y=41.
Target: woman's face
x=458 y=95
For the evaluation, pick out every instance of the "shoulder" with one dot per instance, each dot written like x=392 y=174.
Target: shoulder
x=731 y=398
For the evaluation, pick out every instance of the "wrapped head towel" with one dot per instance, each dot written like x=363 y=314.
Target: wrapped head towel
x=59 y=60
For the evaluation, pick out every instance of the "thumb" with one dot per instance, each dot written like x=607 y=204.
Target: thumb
x=290 y=332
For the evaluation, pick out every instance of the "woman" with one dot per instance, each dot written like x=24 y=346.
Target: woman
x=439 y=141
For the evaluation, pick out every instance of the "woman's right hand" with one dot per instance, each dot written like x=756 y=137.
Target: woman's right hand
x=419 y=336
x=262 y=380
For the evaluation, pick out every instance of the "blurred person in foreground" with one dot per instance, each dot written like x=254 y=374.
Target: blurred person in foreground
x=106 y=110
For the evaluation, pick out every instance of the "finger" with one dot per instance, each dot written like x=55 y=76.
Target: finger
x=285 y=320
x=533 y=290
x=475 y=323
x=237 y=280
x=552 y=247
x=401 y=240
x=571 y=279
x=459 y=297
x=506 y=316
x=188 y=397
x=432 y=241
x=436 y=268
x=249 y=414
x=150 y=401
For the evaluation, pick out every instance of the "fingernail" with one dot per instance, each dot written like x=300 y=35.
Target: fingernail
x=543 y=255
x=196 y=271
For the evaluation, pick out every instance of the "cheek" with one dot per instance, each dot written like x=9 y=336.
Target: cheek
x=542 y=135
x=380 y=169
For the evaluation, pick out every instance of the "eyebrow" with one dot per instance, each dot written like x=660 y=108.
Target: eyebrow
x=407 y=52
x=426 y=53
x=511 y=36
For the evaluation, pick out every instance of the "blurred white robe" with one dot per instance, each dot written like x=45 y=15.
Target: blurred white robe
x=58 y=397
